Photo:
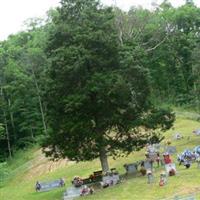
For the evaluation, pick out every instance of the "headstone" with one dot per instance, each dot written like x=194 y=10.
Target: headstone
x=131 y=168
x=46 y=186
x=157 y=146
x=149 y=176
x=72 y=193
x=111 y=179
x=197 y=132
x=153 y=156
x=147 y=165
x=188 y=197
x=171 y=150
x=169 y=167
x=178 y=136
x=197 y=149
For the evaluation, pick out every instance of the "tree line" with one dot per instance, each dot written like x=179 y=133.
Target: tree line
x=86 y=82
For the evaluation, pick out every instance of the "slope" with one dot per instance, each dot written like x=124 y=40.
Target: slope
x=21 y=185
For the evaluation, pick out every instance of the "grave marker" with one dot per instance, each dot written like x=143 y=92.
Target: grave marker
x=47 y=186
x=171 y=150
x=169 y=167
x=147 y=165
x=188 y=197
x=111 y=179
x=72 y=193
x=131 y=168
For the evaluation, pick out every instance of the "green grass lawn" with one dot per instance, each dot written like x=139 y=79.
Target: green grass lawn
x=21 y=185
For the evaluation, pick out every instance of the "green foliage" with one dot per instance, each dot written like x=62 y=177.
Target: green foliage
x=101 y=65
x=103 y=94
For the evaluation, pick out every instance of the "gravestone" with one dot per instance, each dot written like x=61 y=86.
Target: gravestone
x=197 y=149
x=46 y=186
x=111 y=179
x=188 y=197
x=197 y=132
x=152 y=156
x=72 y=193
x=178 y=136
x=169 y=167
x=170 y=149
x=147 y=165
x=131 y=168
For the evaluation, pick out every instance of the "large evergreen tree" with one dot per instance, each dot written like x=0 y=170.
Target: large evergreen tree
x=98 y=99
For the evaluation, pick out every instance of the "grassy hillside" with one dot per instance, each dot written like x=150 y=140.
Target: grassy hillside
x=30 y=166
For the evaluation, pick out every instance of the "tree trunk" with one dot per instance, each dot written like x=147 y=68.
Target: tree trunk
x=104 y=160
x=12 y=120
x=40 y=102
x=8 y=137
x=6 y=127
x=32 y=134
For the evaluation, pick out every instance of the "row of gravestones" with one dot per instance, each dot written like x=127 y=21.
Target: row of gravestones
x=74 y=192
x=130 y=168
x=107 y=180
x=161 y=148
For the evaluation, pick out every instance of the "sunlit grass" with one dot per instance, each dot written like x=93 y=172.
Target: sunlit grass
x=21 y=186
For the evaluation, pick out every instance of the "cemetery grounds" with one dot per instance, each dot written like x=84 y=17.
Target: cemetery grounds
x=30 y=166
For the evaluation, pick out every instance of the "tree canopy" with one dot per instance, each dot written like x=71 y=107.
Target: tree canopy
x=102 y=102
x=90 y=79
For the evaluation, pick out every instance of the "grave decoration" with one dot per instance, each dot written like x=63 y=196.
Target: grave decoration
x=131 y=168
x=110 y=179
x=163 y=179
x=93 y=178
x=73 y=192
x=169 y=166
x=178 y=136
x=186 y=197
x=167 y=158
x=142 y=168
x=197 y=132
x=149 y=176
x=47 y=186
x=198 y=161
x=187 y=164
x=187 y=157
x=170 y=169
x=77 y=181
x=197 y=150
x=86 y=190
